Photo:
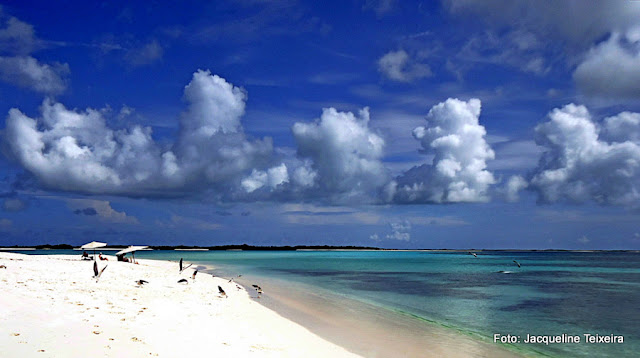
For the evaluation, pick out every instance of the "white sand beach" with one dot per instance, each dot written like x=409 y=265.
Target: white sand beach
x=51 y=306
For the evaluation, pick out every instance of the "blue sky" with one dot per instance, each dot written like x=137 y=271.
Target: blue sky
x=399 y=124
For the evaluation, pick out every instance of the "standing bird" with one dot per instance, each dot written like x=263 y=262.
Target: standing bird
x=141 y=282
x=516 y=263
x=194 y=274
x=221 y=291
x=184 y=268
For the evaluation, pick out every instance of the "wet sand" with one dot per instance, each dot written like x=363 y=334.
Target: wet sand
x=366 y=329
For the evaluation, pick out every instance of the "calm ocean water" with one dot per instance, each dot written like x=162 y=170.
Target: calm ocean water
x=552 y=293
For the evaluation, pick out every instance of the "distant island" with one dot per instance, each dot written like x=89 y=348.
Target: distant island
x=245 y=247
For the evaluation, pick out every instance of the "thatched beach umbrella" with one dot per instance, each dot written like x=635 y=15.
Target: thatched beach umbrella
x=132 y=250
x=93 y=245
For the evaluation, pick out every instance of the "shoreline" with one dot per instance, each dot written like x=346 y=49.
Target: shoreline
x=52 y=307
x=367 y=329
x=288 y=248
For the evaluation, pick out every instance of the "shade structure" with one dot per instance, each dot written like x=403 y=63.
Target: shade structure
x=93 y=245
x=131 y=249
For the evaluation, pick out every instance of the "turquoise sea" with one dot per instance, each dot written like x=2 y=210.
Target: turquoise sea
x=552 y=293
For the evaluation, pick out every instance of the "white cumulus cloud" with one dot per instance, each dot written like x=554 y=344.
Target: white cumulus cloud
x=455 y=138
x=585 y=160
x=343 y=155
x=271 y=178
x=72 y=150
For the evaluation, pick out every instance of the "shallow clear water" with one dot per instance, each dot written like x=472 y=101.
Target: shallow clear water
x=550 y=294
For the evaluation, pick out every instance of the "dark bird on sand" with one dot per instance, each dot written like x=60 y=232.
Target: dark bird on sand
x=141 y=282
x=221 y=291
x=183 y=280
x=231 y=280
x=255 y=286
x=3 y=266
x=181 y=264
x=194 y=274
x=516 y=263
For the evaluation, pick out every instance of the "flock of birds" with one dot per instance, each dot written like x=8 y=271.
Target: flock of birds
x=501 y=271
x=97 y=273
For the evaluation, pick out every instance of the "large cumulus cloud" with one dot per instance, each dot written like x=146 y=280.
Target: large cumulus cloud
x=455 y=139
x=72 y=150
x=587 y=160
x=341 y=156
